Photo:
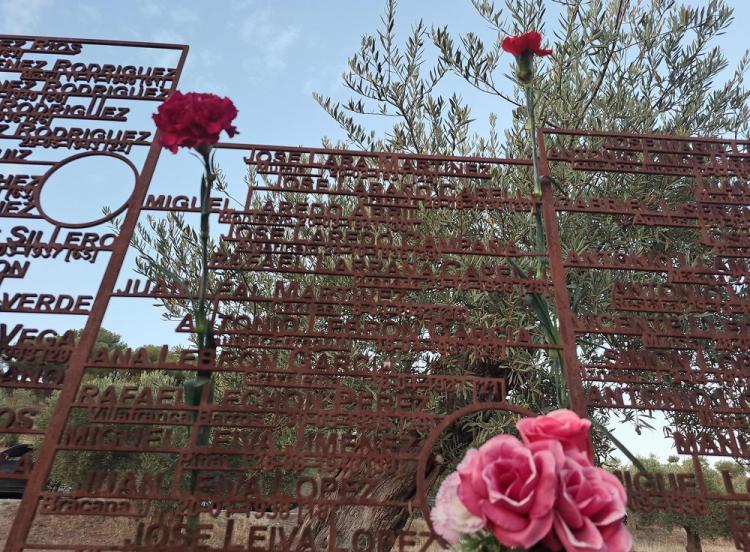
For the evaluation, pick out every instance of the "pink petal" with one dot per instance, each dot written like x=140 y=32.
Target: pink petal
x=584 y=538
x=534 y=532
x=545 y=491
x=617 y=538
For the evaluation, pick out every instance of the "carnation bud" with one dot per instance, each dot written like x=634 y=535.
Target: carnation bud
x=203 y=149
x=524 y=47
x=525 y=67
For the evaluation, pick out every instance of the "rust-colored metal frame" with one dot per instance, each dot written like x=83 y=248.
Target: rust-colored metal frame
x=689 y=157
x=74 y=373
x=717 y=173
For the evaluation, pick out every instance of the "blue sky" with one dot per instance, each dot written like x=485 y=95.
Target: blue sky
x=268 y=57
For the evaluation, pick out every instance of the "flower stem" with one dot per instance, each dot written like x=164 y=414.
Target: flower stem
x=195 y=388
x=537 y=190
x=529 y=92
x=541 y=247
x=205 y=195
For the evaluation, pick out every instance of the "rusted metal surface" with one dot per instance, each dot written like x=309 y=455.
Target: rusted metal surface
x=675 y=338
x=44 y=86
x=347 y=303
x=334 y=348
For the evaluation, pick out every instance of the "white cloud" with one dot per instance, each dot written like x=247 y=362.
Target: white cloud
x=240 y=5
x=22 y=16
x=169 y=36
x=325 y=79
x=183 y=16
x=92 y=14
x=174 y=15
x=151 y=9
x=207 y=56
x=268 y=40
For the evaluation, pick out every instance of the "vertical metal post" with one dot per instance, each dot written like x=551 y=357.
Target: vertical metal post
x=19 y=530
x=559 y=282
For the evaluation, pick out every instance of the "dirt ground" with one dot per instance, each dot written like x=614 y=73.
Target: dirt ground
x=95 y=530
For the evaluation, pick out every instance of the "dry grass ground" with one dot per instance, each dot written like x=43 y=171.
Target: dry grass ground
x=652 y=540
x=98 y=530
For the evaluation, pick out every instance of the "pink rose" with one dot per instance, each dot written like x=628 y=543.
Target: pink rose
x=589 y=511
x=512 y=487
x=560 y=425
x=450 y=518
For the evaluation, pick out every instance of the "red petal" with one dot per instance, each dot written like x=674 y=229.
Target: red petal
x=193 y=119
x=523 y=43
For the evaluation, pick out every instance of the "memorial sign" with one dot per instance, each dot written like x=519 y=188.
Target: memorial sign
x=50 y=85
x=674 y=339
x=351 y=326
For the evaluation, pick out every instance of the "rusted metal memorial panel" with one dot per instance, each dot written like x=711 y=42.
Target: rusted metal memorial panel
x=672 y=266
x=361 y=261
x=339 y=342
x=349 y=296
x=63 y=103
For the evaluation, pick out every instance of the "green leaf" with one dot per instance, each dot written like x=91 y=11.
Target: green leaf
x=637 y=463
x=517 y=267
x=193 y=390
x=539 y=305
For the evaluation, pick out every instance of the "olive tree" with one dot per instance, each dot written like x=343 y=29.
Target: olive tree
x=618 y=65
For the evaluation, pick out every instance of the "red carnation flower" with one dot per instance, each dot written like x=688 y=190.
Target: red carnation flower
x=525 y=44
x=194 y=119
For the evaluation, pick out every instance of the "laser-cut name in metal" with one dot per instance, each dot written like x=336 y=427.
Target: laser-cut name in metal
x=345 y=319
x=675 y=338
